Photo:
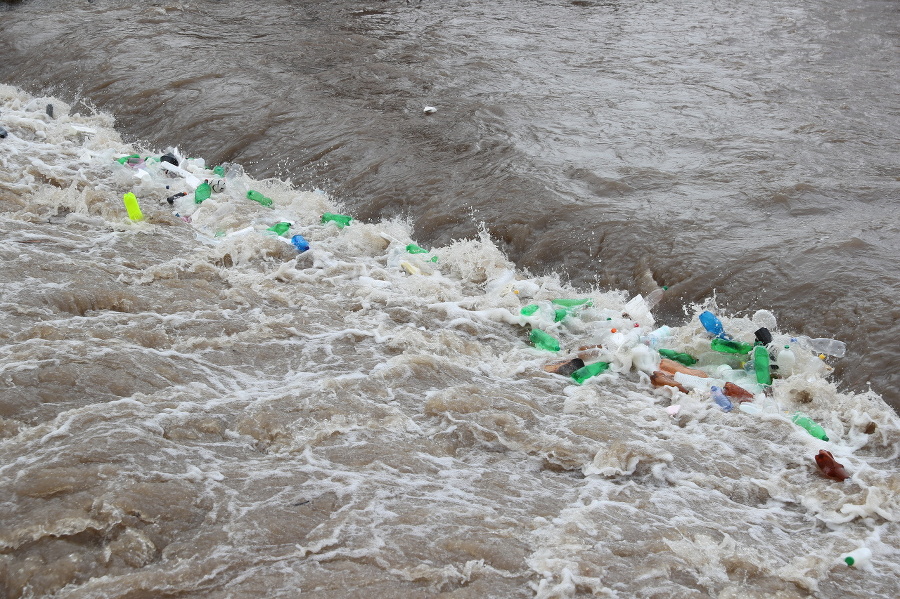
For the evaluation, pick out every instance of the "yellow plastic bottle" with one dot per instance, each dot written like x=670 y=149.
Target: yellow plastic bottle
x=131 y=204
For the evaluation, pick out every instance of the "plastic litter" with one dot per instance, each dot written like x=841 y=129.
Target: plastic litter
x=822 y=345
x=280 y=228
x=664 y=379
x=671 y=366
x=858 y=557
x=131 y=205
x=712 y=324
x=720 y=398
x=259 y=198
x=202 y=192
x=809 y=425
x=761 y=365
x=3 y=133
x=786 y=360
x=679 y=357
x=829 y=467
x=544 y=341
x=586 y=372
x=737 y=392
x=763 y=335
x=730 y=347
x=564 y=367
x=340 y=220
x=300 y=243
x=657 y=337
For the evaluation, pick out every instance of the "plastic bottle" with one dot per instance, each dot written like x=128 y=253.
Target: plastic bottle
x=655 y=338
x=340 y=220
x=822 y=345
x=858 y=557
x=3 y=133
x=720 y=398
x=414 y=249
x=808 y=424
x=219 y=171
x=761 y=365
x=131 y=205
x=712 y=324
x=300 y=243
x=529 y=309
x=786 y=360
x=679 y=357
x=655 y=296
x=280 y=228
x=573 y=303
x=171 y=199
x=731 y=347
x=202 y=192
x=542 y=340
x=586 y=372
x=259 y=198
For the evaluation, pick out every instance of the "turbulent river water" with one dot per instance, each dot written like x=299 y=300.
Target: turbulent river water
x=190 y=407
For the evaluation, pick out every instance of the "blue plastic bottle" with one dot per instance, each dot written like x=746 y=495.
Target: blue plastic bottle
x=720 y=398
x=712 y=324
x=300 y=243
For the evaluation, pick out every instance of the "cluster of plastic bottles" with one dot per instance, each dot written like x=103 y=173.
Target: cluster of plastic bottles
x=171 y=169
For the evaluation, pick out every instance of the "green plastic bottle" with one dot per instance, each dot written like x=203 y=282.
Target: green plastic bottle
x=542 y=340
x=679 y=357
x=529 y=309
x=131 y=205
x=219 y=171
x=809 y=425
x=761 y=365
x=340 y=220
x=586 y=372
x=559 y=314
x=414 y=249
x=280 y=228
x=573 y=303
x=202 y=192
x=730 y=347
x=259 y=198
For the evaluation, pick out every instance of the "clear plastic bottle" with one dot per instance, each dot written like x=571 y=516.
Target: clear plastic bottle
x=656 y=338
x=720 y=398
x=823 y=345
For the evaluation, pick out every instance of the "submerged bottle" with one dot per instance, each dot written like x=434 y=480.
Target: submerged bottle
x=586 y=372
x=573 y=303
x=259 y=198
x=731 y=347
x=808 y=424
x=761 y=365
x=340 y=220
x=202 y=192
x=712 y=324
x=542 y=340
x=679 y=357
x=529 y=309
x=720 y=398
x=131 y=205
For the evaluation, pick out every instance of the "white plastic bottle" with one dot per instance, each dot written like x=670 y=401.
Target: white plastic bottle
x=786 y=360
x=858 y=558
